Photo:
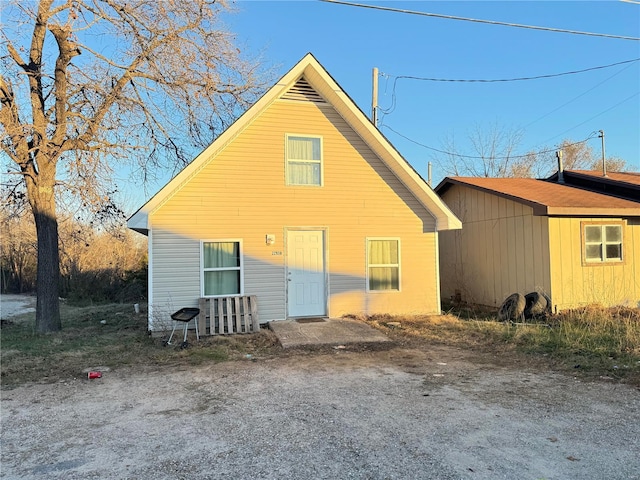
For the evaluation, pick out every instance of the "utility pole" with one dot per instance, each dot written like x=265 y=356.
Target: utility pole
x=374 y=100
x=604 y=163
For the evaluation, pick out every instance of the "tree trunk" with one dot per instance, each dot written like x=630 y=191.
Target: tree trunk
x=48 y=273
x=43 y=205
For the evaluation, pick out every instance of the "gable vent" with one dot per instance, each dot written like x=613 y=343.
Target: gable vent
x=304 y=92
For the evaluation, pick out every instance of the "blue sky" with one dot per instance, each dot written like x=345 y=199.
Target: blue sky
x=350 y=41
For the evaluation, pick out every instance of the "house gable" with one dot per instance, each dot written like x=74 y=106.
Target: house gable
x=308 y=80
x=247 y=179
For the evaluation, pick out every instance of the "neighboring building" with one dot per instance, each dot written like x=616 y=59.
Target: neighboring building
x=617 y=184
x=303 y=203
x=521 y=235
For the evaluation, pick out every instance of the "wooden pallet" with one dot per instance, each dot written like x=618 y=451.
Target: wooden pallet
x=228 y=315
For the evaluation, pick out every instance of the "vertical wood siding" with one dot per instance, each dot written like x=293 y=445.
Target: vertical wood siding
x=501 y=249
x=575 y=284
x=242 y=194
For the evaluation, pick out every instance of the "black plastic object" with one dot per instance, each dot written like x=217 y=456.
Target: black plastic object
x=185 y=314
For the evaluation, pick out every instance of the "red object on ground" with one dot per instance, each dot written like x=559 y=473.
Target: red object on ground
x=94 y=375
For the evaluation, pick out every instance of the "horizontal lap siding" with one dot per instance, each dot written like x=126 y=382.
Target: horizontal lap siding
x=418 y=274
x=501 y=249
x=175 y=278
x=242 y=194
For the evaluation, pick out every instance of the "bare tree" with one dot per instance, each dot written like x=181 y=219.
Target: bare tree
x=93 y=260
x=491 y=156
x=576 y=156
x=18 y=251
x=583 y=156
x=494 y=153
x=89 y=83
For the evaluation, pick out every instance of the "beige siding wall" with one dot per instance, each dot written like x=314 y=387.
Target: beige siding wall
x=575 y=283
x=242 y=194
x=502 y=249
x=174 y=277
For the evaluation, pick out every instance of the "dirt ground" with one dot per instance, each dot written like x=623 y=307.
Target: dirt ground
x=399 y=413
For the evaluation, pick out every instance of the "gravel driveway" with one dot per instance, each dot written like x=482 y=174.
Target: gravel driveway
x=395 y=414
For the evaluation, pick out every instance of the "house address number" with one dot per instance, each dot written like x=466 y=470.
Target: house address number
x=276 y=253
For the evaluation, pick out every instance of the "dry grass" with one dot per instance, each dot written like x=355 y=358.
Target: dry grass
x=591 y=341
x=110 y=336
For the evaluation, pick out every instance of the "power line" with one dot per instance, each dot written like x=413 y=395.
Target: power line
x=551 y=75
x=476 y=20
x=595 y=116
x=592 y=135
x=390 y=109
x=575 y=98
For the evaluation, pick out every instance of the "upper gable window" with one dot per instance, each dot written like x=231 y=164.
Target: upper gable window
x=304 y=160
x=602 y=243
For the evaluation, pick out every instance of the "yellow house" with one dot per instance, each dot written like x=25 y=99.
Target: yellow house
x=577 y=245
x=302 y=203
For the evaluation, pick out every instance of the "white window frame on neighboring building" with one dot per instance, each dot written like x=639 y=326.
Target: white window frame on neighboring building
x=606 y=246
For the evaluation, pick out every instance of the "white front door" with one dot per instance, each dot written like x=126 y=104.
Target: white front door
x=306 y=289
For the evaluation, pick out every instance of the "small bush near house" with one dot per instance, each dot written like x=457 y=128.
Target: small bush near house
x=591 y=341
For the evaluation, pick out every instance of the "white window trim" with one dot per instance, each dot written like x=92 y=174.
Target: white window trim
x=202 y=269
x=603 y=259
x=367 y=240
x=286 y=159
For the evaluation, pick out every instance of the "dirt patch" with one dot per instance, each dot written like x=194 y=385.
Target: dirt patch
x=401 y=412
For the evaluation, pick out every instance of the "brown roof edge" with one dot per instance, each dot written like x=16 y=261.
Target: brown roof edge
x=538 y=208
x=592 y=212
x=631 y=179
x=608 y=206
x=625 y=185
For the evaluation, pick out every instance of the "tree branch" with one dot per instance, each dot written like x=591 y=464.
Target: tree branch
x=34 y=69
x=67 y=50
x=10 y=120
x=15 y=56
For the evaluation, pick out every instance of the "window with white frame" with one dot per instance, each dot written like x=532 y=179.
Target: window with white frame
x=383 y=264
x=221 y=268
x=602 y=243
x=304 y=160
